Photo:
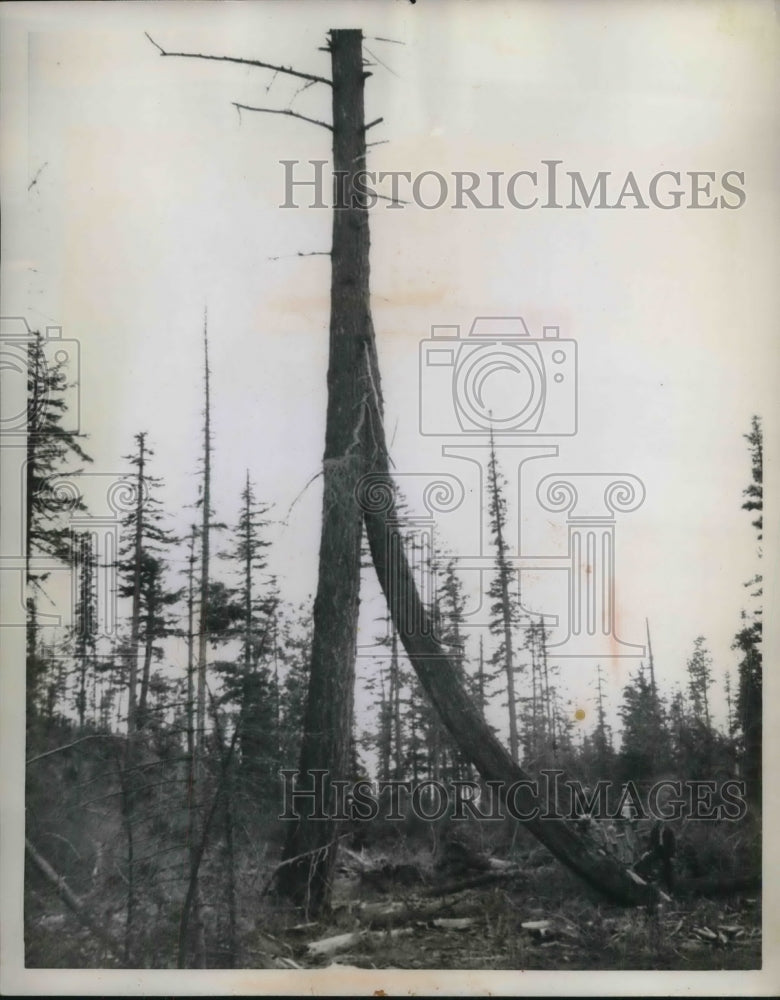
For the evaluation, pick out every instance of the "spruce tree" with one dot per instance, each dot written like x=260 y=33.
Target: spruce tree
x=142 y=569
x=749 y=698
x=52 y=449
x=505 y=607
x=640 y=757
x=85 y=625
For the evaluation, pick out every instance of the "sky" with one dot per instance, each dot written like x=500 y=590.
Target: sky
x=136 y=197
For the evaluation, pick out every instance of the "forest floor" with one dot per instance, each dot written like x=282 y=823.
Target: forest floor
x=543 y=920
x=394 y=909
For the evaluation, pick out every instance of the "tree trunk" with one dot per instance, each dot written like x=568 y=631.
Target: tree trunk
x=230 y=858
x=506 y=607
x=190 y=706
x=143 y=699
x=198 y=777
x=395 y=707
x=135 y=619
x=200 y=730
x=328 y=716
x=439 y=677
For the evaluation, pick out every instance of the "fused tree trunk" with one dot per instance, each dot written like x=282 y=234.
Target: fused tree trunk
x=354 y=445
x=328 y=715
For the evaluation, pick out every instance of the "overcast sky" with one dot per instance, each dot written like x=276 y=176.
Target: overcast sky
x=152 y=199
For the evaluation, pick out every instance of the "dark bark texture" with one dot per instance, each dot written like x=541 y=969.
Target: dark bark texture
x=328 y=717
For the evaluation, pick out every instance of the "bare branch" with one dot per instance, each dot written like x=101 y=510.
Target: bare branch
x=395 y=201
x=376 y=121
x=38 y=173
x=295 y=501
x=374 y=56
x=298 y=857
x=377 y=38
x=300 y=90
x=283 y=111
x=67 y=746
x=245 y=62
x=300 y=253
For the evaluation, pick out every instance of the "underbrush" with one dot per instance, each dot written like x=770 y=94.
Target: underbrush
x=75 y=821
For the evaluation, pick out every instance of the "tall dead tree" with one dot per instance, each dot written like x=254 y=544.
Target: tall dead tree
x=505 y=604
x=192 y=912
x=205 y=526
x=190 y=689
x=358 y=488
x=328 y=718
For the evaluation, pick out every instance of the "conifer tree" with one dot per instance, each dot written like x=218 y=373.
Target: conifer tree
x=505 y=607
x=749 y=698
x=640 y=756
x=700 y=680
x=142 y=572
x=51 y=450
x=602 y=735
x=250 y=609
x=85 y=625
x=293 y=651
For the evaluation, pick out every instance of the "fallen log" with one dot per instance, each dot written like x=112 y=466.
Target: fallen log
x=331 y=945
x=450 y=888
x=340 y=942
x=396 y=914
x=70 y=899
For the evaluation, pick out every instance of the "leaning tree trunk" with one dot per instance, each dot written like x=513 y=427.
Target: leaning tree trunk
x=439 y=677
x=328 y=716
